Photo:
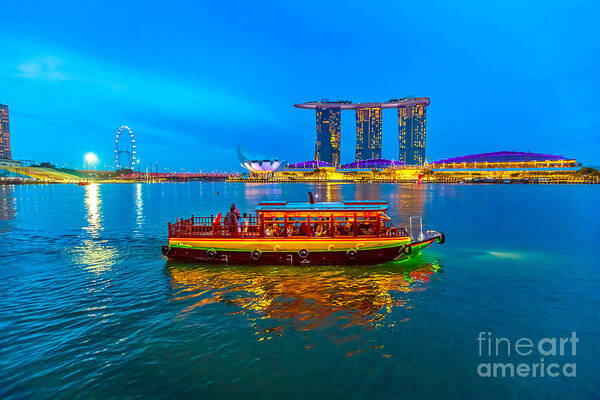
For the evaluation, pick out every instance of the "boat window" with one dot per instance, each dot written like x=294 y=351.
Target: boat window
x=343 y=226
x=297 y=226
x=366 y=226
x=320 y=226
x=273 y=226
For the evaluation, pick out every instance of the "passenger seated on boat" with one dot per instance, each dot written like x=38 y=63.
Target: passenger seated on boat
x=293 y=230
x=268 y=230
x=321 y=230
x=349 y=229
x=365 y=229
x=341 y=230
x=277 y=230
x=303 y=229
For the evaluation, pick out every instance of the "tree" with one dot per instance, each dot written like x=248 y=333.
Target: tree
x=588 y=171
x=45 y=164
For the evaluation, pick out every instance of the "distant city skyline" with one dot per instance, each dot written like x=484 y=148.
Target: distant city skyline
x=215 y=75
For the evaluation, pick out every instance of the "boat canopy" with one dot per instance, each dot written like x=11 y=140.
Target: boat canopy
x=342 y=206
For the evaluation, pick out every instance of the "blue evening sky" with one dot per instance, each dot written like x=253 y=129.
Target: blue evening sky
x=194 y=79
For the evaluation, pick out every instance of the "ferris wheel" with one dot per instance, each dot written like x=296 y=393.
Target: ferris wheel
x=125 y=148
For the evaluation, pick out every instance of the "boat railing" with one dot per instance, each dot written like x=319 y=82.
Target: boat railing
x=198 y=227
x=250 y=227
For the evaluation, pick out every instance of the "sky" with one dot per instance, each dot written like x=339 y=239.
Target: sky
x=193 y=79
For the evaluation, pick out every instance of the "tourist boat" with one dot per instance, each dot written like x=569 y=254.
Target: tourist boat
x=83 y=183
x=348 y=232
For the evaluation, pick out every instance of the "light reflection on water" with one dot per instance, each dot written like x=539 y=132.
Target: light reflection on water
x=92 y=205
x=302 y=298
x=7 y=202
x=139 y=210
x=95 y=254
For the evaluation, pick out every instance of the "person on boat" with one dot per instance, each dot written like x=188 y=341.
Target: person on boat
x=231 y=220
x=293 y=230
x=235 y=210
x=268 y=230
x=365 y=229
x=245 y=225
x=349 y=228
x=319 y=230
x=303 y=229
x=237 y=213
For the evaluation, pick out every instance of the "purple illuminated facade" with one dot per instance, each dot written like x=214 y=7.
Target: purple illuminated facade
x=309 y=165
x=375 y=163
x=501 y=156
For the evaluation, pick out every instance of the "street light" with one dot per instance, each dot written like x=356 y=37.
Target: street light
x=90 y=158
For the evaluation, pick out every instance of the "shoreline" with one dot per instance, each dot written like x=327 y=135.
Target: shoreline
x=271 y=181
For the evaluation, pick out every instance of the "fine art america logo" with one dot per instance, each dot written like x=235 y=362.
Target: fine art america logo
x=549 y=356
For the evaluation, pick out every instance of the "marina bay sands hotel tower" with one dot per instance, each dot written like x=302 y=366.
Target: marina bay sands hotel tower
x=411 y=129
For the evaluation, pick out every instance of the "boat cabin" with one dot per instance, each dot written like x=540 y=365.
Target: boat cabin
x=283 y=220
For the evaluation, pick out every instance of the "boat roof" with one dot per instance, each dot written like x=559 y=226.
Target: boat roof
x=354 y=205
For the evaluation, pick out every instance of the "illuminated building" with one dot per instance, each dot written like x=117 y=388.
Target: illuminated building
x=368 y=133
x=411 y=134
x=376 y=163
x=258 y=166
x=4 y=134
x=505 y=160
x=327 y=147
x=411 y=124
x=309 y=165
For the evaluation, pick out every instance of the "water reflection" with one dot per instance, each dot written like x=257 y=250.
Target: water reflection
x=367 y=191
x=302 y=298
x=409 y=200
x=92 y=205
x=255 y=192
x=95 y=254
x=328 y=192
x=139 y=210
x=8 y=206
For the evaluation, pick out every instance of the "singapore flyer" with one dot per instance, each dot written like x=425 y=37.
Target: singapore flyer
x=125 y=156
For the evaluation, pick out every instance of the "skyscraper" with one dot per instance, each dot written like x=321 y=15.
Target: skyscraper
x=368 y=133
x=411 y=128
x=411 y=132
x=4 y=134
x=327 y=147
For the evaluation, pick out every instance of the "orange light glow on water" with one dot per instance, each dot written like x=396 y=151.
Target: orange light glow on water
x=302 y=298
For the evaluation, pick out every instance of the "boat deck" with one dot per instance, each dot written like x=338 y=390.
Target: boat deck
x=252 y=227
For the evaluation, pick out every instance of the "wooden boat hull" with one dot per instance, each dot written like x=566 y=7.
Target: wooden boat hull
x=296 y=252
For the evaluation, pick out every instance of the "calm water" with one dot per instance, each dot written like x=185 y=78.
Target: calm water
x=89 y=308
